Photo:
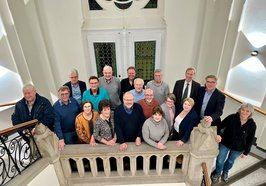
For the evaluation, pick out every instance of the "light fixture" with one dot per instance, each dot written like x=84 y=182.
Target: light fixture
x=254 y=53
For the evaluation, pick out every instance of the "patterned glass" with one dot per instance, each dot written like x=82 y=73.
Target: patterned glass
x=93 y=5
x=121 y=4
x=105 y=55
x=145 y=59
x=152 y=4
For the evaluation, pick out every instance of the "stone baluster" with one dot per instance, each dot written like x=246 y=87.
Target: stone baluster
x=185 y=163
x=94 y=168
x=146 y=164
x=159 y=164
x=133 y=165
x=80 y=167
x=120 y=165
x=66 y=167
x=172 y=164
x=106 y=166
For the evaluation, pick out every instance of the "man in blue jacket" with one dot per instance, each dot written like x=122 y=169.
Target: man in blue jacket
x=33 y=106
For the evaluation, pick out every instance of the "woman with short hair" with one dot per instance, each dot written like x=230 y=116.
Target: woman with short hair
x=85 y=122
x=235 y=135
x=104 y=124
x=186 y=119
x=155 y=130
x=168 y=108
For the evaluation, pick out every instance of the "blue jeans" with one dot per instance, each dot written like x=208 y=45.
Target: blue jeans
x=225 y=159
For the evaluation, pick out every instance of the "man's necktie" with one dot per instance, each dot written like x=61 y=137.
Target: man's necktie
x=185 y=94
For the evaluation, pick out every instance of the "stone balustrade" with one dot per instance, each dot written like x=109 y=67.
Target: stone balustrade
x=103 y=163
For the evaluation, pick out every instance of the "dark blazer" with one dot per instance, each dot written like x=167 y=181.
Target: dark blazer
x=214 y=107
x=82 y=86
x=178 y=91
x=187 y=124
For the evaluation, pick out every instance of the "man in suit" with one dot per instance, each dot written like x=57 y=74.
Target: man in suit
x=76 y=86
x=210 y=101
x=181 y=85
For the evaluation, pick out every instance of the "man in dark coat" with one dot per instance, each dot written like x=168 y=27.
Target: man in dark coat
x=210 y=101
x=180 y=87
x=33 y=106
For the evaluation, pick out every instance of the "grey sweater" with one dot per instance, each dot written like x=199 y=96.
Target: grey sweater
x=113 y=89
x=154 y=132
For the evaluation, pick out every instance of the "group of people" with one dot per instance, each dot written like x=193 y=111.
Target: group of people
x=111 y=112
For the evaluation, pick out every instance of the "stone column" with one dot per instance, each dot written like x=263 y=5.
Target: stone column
x=195 y=172
x=204 y=148
x=47 y=143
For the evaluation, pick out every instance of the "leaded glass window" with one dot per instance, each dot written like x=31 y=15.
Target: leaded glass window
x=152 y=4
x=105 y=55
x=93 y=5
x=145 y=59
x=121 y=4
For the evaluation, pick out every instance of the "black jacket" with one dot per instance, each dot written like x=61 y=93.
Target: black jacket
x=178 y=91
x=42 y=110
x=235 y=136
x=214 y=106
x=82 y=86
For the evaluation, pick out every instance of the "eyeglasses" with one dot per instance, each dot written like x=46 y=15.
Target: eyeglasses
x=64 y=94
x=211 y=82
x=169 y=101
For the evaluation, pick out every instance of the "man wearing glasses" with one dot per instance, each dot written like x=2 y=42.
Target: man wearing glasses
x=210 y=101
x=94 y=93
x=65 y=109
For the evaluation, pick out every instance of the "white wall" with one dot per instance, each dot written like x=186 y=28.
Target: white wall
x=5 y=117
x=31 y=39
x=61 y=23
x=182 y=20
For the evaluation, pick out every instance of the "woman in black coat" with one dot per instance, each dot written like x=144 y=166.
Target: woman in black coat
x=235 y=134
